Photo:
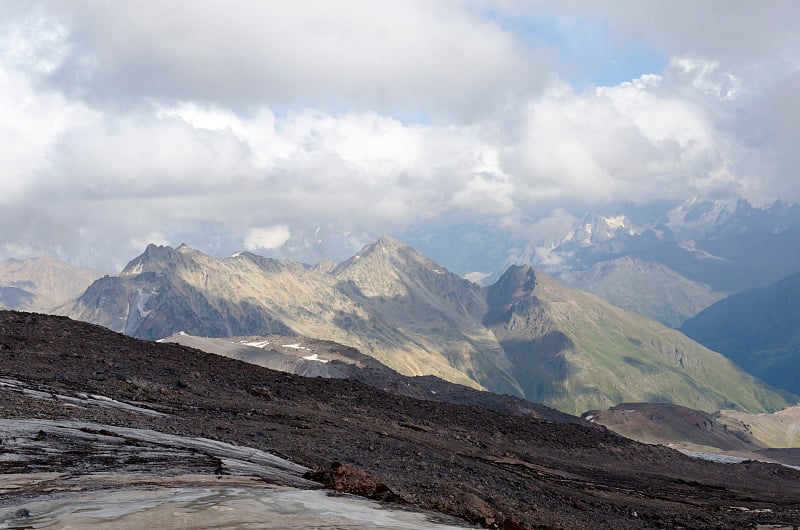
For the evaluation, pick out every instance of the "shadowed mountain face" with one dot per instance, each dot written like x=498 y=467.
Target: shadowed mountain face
x=534 y=345
x=758 y=329
x=41 y=284
x=526 y=335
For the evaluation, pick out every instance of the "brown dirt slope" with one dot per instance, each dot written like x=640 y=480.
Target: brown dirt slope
x=772 y=437
x=482 y=465
x=668 y=424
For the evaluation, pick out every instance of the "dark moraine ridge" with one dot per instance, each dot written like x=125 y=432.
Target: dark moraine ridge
x=488 y=467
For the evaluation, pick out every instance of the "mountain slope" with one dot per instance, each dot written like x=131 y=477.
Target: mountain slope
x=543 y=341
x=779 y=430
x=41 y=284
x=758 y=329
x=320 y=358
x=774 y=437
x=576 y=350
x=167 y=290
x=421 y=299
x=490 y=468
x=671 y=425
x=645 y=287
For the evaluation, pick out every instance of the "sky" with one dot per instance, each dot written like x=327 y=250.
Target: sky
x=308 y=128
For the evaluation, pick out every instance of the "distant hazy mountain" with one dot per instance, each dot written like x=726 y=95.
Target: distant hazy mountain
x=715 y=219
x=645 y=287
x=41 y=284
x=758 y=329
x=526 y=335
x=598 y=237
x=694 y=253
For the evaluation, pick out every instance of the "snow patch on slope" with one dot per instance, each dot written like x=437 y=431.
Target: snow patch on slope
x=615 y=222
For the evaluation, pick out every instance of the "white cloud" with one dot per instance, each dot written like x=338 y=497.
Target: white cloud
x=127 y=156
x=706 y=77
x=411 y=57
x=549 y=231
x=197 y=121
x=30 y=122
x=266 y=238
x=165 y=169
x=257 y=132
x=157 y=238
x=629 y=142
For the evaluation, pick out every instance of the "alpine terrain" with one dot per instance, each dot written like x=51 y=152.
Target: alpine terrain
x=99 y=430
x=665 y=264
x=734 y=433
x=758 y=329
x=41 y=284
x=526 y=335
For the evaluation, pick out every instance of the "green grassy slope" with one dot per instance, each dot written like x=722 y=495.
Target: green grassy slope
x=594 y=355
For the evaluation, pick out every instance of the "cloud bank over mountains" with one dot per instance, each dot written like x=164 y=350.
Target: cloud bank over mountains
x=235 y=125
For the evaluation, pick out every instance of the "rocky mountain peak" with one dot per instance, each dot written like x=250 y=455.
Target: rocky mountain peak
x=389 y=242
x=519 y=281
x=385 y=246
x=157 y=258
x=388 y=268
x=517 y=278
x=385 y=254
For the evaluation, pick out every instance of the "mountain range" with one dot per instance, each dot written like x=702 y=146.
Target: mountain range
x=666 y=264
x=525 y=335
x=671 y=268
x=41 y=284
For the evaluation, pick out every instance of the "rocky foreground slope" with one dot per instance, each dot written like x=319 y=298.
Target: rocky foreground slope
x=495 y=469
x=332 y=360
x=526 y=335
